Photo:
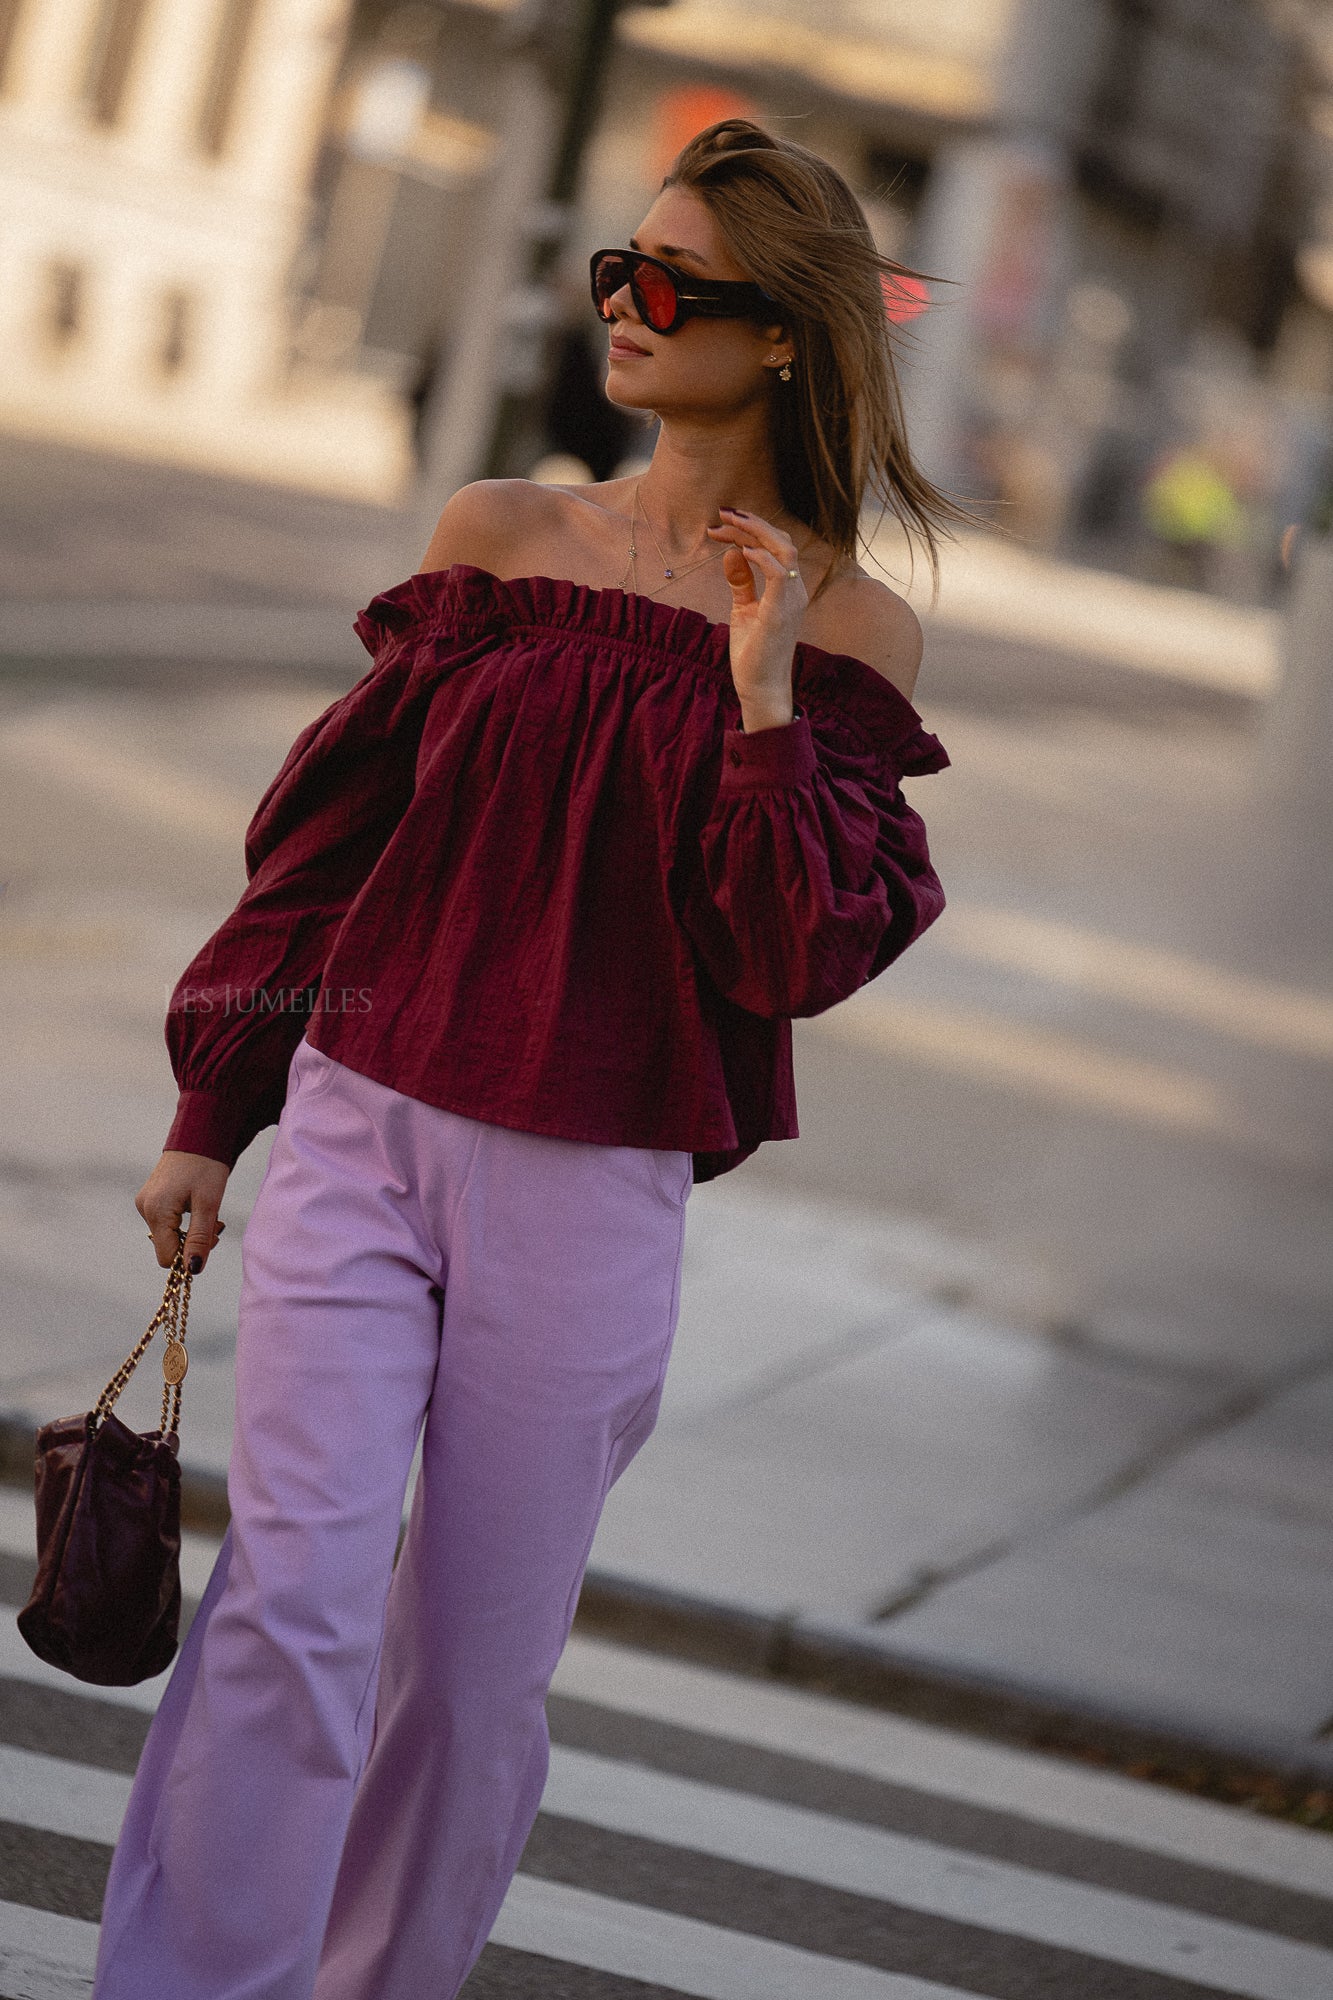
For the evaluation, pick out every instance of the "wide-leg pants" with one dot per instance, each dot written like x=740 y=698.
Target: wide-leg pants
x=337 y=1786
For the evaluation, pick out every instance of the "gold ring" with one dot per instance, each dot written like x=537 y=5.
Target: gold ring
x=793 y=572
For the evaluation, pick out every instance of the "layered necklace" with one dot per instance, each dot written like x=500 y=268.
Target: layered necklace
x=669 y=575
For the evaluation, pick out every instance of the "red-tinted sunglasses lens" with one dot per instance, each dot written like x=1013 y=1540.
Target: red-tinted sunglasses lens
x=610 y=275
x=657 y=296
x=654 y=293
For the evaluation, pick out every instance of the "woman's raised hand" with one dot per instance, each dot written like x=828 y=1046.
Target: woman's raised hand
x=764 y=624
x=181 y=1182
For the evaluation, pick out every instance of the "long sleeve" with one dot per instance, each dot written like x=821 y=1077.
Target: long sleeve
x=240 y=1008
x=814 y=871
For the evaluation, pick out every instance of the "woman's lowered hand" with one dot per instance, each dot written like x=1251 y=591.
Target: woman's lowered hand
x=182 y=1182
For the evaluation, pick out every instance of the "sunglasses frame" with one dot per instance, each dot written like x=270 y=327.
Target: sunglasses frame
x=703 y=298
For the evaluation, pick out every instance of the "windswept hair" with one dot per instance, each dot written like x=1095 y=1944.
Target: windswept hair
x=796 y=228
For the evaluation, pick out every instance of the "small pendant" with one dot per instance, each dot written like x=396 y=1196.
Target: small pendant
x=633 y=551
x=668 y=573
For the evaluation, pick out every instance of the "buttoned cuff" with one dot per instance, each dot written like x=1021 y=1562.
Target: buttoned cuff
x=210 y=1124
x=768 y=758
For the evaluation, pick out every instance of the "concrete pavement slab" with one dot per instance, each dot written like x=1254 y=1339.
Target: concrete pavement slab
x=1206 y=1592
x=933 y=1440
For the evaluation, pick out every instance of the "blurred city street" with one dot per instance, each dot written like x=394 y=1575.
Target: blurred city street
x=997 y=1438
x=1018 y=1364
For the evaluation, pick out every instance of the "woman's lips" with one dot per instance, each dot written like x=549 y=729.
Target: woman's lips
x=626 y=347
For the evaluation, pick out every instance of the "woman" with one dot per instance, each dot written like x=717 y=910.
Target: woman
x=529 y=913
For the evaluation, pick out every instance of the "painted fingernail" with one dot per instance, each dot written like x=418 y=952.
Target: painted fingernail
x=196 y=1265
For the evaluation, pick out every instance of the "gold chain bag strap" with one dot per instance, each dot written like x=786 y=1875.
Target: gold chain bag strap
x=105 y=1605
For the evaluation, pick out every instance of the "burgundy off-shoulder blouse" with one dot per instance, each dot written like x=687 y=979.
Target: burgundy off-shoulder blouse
x=532 y=870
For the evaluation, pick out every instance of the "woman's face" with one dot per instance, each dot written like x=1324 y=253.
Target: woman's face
x=706 y=365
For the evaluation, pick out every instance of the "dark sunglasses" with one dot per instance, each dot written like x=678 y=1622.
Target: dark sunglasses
x=665 y=298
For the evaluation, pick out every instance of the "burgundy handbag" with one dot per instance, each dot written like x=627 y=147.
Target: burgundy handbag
x=106 y=1601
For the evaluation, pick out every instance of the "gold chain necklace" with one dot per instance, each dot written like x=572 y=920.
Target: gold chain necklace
x=669 y=575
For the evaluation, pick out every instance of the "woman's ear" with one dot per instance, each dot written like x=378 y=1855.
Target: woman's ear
x=778 y=348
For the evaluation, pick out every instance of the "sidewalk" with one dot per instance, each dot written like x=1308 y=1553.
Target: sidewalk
x=860 y=1484
x=1003 y=591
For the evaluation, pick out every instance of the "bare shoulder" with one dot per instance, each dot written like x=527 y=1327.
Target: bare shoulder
x=860 y=615
x=486 y=521
x=516 y=527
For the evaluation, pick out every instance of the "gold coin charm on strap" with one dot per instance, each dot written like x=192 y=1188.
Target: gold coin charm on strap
x=175 y=1361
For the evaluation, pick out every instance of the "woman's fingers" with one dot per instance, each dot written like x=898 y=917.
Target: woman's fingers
x=201 y=1235
x=753 y=541
x=740 y=576
x=181 y=1183
x=736 y=567
x=754 y=530
x=166 y=1236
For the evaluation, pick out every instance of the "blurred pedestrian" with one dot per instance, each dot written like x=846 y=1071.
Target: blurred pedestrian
x=1194 y=511
x=619 y=796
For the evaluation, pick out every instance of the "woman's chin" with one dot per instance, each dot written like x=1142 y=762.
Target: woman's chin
x=622 y=393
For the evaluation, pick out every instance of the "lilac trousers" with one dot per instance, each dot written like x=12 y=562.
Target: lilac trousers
x=339 y=1781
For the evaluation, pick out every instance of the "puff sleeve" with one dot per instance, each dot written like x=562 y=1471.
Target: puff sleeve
x=815 y=873
x=241 y=1006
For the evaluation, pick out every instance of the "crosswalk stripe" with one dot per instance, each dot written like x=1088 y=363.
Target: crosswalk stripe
x=812 y=1848
x=684 y=1955
x=787 y=1779
x=18 y=1663
x=47 y=1957
x=843 y=1736
x=936 y=1881
x=43 y=1956
x=895 y=1750
x=937 y=1763
x=59 y=1797
x=655 y=1790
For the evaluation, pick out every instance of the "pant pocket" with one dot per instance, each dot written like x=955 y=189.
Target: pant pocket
x=674 y=1174
x=311 y=1069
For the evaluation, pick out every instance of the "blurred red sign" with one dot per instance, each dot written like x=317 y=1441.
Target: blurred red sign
x=904 y=296
x=679 y=115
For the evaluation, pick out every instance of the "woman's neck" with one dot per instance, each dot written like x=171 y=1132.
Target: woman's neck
x=696 y=470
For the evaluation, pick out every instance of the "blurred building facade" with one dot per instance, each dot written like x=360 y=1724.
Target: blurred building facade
x=155 y=159
x=1118 y=195
x=249 y=233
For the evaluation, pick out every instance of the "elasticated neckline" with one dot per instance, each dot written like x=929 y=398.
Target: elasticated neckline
x=468 y=596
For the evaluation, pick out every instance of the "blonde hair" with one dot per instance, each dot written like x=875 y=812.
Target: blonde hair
x=796 y=228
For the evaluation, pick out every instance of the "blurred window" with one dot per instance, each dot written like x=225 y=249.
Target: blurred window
x=222 y=84
x=176 y=325
x=64 y=305
x=9 y=20
x=111 y=54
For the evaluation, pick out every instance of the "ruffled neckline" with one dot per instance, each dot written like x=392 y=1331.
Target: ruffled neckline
x=474 y=595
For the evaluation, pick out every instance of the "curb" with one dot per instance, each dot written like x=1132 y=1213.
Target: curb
x=830 y=1660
